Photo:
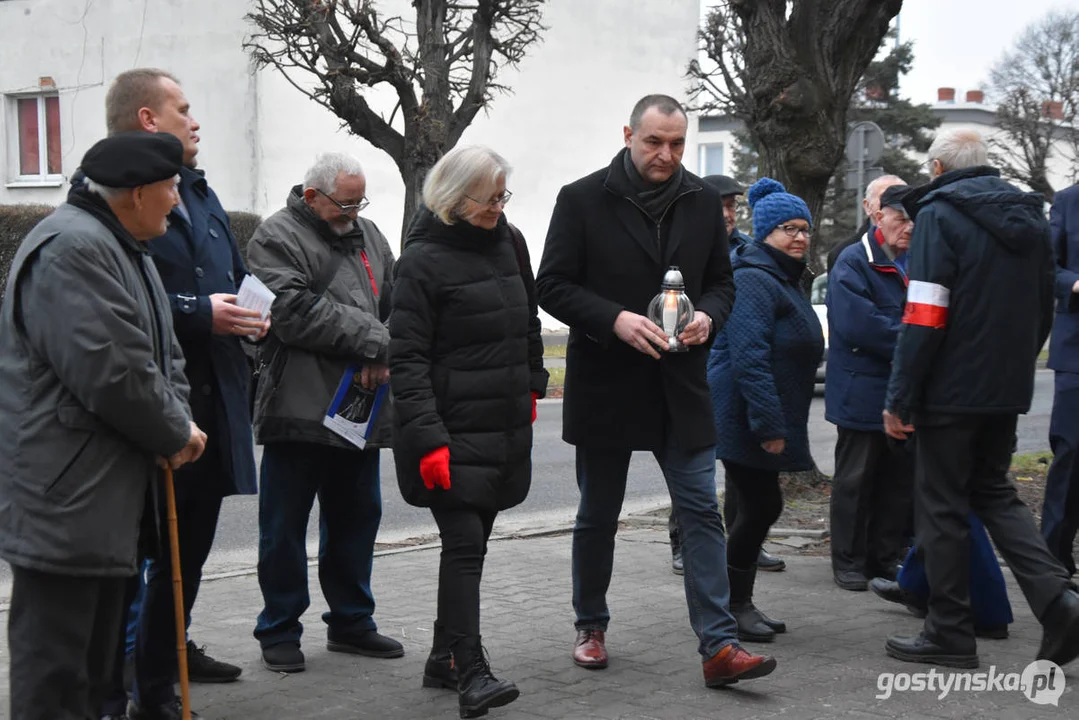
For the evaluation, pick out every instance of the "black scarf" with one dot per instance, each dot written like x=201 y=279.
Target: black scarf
x=655 y=198
x=792 y=267
x=96 y=206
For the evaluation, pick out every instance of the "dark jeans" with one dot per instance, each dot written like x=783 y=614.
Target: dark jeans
x=872 y=502
x=990 y=601
x=760 y=503
x=346 y=483
x=464 y=533
x=198 y=504
x=1060 y=510
x=62 y=635
x=691 y=480
x=961 y=466
x=730 y=512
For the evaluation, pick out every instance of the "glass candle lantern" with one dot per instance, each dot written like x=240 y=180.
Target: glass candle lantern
x=671 y=310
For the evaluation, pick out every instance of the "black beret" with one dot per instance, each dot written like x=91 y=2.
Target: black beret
x=134 y=159
x=725 y=185
x=894 y=195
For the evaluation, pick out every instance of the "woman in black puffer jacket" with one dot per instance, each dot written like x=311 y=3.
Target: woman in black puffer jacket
x=466 y=368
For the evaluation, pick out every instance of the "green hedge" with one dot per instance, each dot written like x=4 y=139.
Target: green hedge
x=16 y=221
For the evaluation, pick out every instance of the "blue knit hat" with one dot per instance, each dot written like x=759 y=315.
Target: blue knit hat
x=772 y=205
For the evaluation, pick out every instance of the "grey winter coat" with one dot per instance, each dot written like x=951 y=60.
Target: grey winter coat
x=92 y=389
x=333 y=296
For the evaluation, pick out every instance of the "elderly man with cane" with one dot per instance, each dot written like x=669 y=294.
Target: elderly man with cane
x=92 y=398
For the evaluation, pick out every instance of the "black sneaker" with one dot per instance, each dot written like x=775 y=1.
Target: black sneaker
x=201 y=668
x=284 y=657
x=171 y=710
x=368 y=643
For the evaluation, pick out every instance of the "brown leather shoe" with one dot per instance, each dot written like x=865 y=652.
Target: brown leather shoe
x=589 y=651
x=733 y=663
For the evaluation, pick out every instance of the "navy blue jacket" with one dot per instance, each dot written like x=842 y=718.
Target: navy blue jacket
x=866 y=294
x=1064 y=221
x=980 y=298
x=197 y=258
x=763 y=364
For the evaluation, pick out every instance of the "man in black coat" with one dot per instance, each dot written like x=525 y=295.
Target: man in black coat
x=201 y=269
x=613 y=235
x=979 y=308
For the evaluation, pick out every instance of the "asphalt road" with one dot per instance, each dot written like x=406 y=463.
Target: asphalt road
x=553 y=498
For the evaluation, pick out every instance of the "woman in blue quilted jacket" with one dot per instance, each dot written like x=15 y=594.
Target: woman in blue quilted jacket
x=761 y=372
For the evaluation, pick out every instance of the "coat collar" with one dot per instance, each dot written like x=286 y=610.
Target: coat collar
x=876 y=257
x=634 y=218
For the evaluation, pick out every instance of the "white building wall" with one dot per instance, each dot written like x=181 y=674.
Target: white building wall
x=572 y=95
x=83 y=45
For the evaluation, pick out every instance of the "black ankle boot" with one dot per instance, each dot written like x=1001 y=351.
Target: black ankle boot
x=439 y=671
x=752 y=624
x=478 y=690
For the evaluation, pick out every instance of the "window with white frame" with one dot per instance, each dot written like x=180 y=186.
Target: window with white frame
x=711 y=159
x=34 y=138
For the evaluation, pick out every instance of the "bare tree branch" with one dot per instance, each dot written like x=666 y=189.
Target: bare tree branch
x=443 y=66
x=1036 y=87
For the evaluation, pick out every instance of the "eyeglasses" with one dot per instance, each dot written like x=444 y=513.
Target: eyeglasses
x=346 y=209
x=792 y=231
x=499 y=201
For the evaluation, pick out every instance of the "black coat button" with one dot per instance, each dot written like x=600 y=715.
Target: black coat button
x=199 y=272
x=206 y=390
x=213 y=233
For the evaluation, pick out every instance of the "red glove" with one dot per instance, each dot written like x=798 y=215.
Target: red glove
x=435 y=468
x=534 y=398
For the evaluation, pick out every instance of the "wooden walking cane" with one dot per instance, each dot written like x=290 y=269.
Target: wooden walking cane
x=178 y=595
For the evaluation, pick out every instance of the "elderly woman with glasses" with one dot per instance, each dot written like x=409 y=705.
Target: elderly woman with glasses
x=761 y=372
x=466 y=368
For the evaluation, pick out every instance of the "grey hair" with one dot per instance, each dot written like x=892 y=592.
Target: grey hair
x=461 y=170
x=959 y=149
x=323 y=174
x=102 y=191
x=664 y=103
x=873 y=189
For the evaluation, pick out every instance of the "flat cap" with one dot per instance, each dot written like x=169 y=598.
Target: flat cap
x=726 y=185
x=133 y=159
x=894 y=195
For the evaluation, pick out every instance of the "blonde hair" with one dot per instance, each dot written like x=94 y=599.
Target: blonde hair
x=461 y=170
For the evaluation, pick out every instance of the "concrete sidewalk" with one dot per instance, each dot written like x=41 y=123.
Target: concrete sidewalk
x=829 y=660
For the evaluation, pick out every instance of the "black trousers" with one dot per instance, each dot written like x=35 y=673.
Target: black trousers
x=1060 y=510
x=872 y=502
x=464 y=533
x=730 y=511
x=62 y=635
x=198 y=504
x=760 y=503
x=961 y=465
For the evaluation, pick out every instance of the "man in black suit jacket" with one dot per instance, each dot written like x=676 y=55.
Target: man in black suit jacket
x=1060 y=511
x=613 y=235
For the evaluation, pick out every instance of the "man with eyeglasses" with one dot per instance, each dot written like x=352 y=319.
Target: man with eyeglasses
x=872 y=487
x=331 y=272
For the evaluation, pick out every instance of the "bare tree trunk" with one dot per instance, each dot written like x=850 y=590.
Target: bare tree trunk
x=413 y=177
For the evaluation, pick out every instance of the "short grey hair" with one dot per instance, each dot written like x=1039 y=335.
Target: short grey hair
x=460 y=171
x=959 y=149
x=323 y=174
x=875 y=188
x=102 y=191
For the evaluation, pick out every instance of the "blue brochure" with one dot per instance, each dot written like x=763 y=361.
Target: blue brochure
x=354 y=410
